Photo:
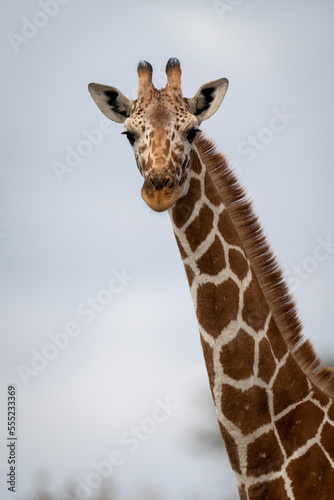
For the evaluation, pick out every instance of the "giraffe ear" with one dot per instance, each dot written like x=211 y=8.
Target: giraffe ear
x=111 y=102
x=208 y=99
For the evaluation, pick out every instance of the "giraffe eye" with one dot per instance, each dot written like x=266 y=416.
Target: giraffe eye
x=131 y=137
x=192 y=134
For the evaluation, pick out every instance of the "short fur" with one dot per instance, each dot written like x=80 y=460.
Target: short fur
x=264 y=264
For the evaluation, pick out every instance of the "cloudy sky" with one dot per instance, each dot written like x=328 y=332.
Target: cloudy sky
x=97 y=325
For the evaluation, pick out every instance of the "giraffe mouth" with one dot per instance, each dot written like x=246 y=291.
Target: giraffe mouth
x=160 y=190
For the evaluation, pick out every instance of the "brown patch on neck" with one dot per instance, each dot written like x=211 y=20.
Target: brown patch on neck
x=312 y=469
x=248 y=409
x=242 y=348
x=185 y=204
x=299 y=426
x=217 y=305
x=268 y=489
x=200 y=227
x=264 y=455
x=195 y=162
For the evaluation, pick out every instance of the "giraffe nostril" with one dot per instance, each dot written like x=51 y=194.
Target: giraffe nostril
x=159 y=181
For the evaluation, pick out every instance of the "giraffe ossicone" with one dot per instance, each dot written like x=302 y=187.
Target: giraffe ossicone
x=275 y=413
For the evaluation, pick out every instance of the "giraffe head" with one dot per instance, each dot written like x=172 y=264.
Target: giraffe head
x=161 y=126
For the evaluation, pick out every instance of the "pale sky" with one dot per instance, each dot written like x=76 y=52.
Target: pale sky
x=97 y=322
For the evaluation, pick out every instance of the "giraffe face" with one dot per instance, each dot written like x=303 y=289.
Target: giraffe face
x=161 y=126
x=162 y=135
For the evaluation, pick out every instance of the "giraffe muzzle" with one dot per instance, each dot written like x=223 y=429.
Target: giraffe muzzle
x=160 y=190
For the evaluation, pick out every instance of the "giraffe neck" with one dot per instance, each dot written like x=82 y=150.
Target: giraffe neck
x=271 y=414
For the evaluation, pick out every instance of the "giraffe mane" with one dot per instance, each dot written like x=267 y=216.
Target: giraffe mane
x=264 y=264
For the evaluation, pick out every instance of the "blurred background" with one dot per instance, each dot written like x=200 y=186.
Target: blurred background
x=97 y=325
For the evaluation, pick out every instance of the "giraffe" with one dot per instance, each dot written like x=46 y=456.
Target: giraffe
x=274 y=406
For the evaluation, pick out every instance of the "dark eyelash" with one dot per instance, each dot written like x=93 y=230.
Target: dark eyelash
x=192 y=134
x=131 y=137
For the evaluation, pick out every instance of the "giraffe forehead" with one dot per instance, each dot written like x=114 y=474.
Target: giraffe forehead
x=158 y=117
x=162 y=111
